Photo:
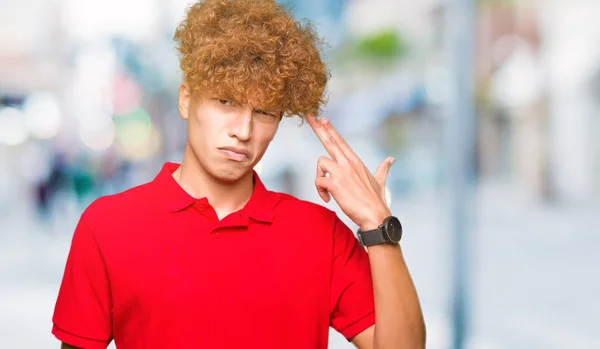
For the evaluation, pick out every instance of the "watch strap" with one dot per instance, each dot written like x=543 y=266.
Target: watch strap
x=373 y=237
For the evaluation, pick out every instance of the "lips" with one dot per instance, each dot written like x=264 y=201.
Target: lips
x=236 y=154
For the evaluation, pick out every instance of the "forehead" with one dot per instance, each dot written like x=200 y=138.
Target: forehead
x=257 y=99
x=253 y=97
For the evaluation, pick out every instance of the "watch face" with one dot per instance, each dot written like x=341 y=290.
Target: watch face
x=393 y=229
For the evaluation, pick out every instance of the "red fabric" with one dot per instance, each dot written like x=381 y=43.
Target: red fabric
x=153 y=267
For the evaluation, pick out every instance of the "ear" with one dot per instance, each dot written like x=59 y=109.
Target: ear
x=185 y=98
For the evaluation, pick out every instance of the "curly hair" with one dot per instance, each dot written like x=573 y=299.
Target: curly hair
x=232 y=48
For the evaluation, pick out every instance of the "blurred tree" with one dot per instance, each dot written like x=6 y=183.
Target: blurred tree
x=384 y=44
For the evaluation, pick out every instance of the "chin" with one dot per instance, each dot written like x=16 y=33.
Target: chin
x=229 y=173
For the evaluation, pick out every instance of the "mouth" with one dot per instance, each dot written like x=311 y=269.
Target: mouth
x=235 y=154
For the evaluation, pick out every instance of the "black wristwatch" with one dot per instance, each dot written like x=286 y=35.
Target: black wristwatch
x=390 y=232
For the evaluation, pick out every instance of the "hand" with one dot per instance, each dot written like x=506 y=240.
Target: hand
x=360 y=194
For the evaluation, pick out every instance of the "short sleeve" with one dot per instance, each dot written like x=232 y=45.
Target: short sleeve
x=82 y=314
x=351 y=292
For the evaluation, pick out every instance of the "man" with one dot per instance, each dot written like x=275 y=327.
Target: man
x=204 y=256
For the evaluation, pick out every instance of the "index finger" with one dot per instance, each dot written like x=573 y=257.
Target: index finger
x=339 y=140
x=328 y=141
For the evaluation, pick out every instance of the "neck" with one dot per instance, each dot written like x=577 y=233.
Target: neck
x=224 y=197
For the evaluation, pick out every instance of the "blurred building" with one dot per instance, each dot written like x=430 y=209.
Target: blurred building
x=538 y=107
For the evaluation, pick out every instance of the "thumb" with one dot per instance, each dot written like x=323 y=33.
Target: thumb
x=382 y=171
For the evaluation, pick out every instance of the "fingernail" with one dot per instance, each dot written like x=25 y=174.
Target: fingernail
x=324 y=120
x=392 y=160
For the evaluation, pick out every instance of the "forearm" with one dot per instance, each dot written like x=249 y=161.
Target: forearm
x=399 y=319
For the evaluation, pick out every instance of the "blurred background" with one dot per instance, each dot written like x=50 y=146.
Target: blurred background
x=491 y=109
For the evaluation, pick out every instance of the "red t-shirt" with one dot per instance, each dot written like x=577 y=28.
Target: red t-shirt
x=152 y=267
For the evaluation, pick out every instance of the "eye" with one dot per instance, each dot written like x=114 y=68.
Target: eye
x=225 y=101
x=266 y=113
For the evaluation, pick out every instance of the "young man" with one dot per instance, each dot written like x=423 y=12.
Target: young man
x=204 y=256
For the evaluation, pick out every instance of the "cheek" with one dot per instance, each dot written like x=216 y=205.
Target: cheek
x=267 y=134
x=196 y=131
x=264 y=138
x=204 y=130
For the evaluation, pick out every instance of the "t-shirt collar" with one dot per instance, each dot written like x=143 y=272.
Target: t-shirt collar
x=176 y=199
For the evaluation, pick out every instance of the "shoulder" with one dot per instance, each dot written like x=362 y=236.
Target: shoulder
x=302 y=211
x=117 y=208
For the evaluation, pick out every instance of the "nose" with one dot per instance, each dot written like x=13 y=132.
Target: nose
x=241 y=125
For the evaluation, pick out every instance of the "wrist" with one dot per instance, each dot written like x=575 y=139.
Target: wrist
x=374 y=220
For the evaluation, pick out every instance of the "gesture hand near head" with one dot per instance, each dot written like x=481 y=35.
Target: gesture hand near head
x=343 y=176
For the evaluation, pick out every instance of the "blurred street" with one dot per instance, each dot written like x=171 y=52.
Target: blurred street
x=88 y=107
